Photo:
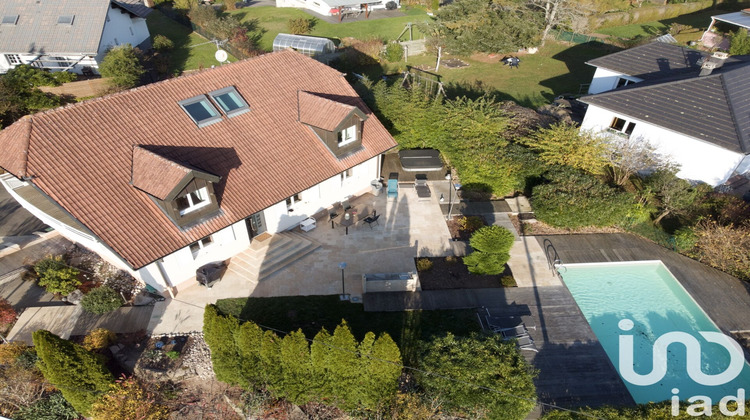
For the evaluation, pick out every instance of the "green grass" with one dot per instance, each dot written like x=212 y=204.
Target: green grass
x=183 y=56
x=311 y=313
x=556 y=69
x=274 y=21
x=698 y=23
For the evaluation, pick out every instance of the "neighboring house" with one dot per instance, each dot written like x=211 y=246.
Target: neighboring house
x=729 y=22
x=651 y=61
x=68 y=35
x=339 y=7
x=698 y=117
x=162 y=179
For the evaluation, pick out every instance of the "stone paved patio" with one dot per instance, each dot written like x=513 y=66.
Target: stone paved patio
x=407 y=228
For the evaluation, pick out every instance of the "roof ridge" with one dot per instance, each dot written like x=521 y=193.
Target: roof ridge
x=160 y=82
x=741 y=135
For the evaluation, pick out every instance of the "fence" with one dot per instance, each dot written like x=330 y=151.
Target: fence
x=573 y=37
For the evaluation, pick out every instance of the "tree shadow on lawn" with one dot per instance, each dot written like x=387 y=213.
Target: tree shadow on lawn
x=579 y=72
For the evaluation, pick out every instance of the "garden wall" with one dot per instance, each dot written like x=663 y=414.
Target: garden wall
x=649 y=13
x=390 y=282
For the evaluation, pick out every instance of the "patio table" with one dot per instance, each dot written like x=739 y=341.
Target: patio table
x=342 y=219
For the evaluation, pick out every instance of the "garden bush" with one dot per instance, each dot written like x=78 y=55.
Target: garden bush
x=8 y=315
x=725 y=247
x=162 y=43
x=98 y=339
x=335 y=368
x=55 y=276
x=470 y=224
x=574 y=199
x=54 y=406
x=740 y=43
x=9 y=352
x=35 y=77
x=122 y=65
x=474 y=362
x=424 y=264
x=394 y=52
x=101 y=300
x=78 y=374
x=299 y=26
x=491 y=245
x=128 y=400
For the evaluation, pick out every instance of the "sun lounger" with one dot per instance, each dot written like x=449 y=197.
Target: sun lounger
x=526 y=343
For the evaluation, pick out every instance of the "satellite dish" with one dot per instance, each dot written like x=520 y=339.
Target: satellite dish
x=221 y=56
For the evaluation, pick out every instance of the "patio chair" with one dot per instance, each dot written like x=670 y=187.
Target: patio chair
x=345 y=204
x=515 y=332
x=420 y=185
x=333 y=213
x=372 y=219
x=526 y=343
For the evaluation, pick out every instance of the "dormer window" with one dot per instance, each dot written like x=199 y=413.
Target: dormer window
x=193 y=201
x=230 y=101
x=347 y=135
x=200 y=110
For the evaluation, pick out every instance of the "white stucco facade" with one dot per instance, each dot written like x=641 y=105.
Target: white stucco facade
x=605 y=80
x=119 y=28
x=698 y=159
x=177 y=269
x=324 y=7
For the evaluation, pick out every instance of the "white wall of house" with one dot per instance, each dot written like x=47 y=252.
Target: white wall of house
x=51 y=61
x=324 y=7
x=605 y=80
x=321 y=196
x=698 y=160
x=121 y=28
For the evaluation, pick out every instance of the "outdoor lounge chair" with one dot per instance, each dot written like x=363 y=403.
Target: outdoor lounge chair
x=515 y=332
x=526 y=343
x=372 y=219
x=423 y=190
x=393 y=185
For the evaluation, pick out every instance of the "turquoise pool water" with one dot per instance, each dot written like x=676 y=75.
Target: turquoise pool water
x=648 y=294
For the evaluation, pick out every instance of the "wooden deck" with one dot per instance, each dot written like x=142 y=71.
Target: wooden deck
x=724 y=298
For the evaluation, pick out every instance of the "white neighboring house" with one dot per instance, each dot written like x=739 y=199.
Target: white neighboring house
x=651 y=61
x=697 y=117
x=339 y=7
x=68 y=35
x=207 y=161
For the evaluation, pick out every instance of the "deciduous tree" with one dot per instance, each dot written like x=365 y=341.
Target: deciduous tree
x=122 y=66
x=565 y=144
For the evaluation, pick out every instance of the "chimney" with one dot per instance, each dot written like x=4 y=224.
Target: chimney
x=714 y=62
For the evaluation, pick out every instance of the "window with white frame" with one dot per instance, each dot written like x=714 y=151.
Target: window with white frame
x=621 y=81
x=347 y=174
x=13 y=59
x=347 y=135
x=292 y=201
x=197 y=247
x=622 y=126
x=193 y=201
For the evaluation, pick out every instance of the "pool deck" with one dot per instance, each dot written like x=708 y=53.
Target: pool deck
x=724 y=298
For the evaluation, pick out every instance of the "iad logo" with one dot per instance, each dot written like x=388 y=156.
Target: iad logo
x=693 y=361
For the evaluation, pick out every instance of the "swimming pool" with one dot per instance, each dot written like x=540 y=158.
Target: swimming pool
x=646 y=293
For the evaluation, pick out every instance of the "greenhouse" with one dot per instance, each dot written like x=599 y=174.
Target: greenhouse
x=310 y=46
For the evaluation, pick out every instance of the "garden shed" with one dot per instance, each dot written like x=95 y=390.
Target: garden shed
x=310 y=46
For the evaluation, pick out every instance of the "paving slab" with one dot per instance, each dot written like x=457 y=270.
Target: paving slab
x=58 y=320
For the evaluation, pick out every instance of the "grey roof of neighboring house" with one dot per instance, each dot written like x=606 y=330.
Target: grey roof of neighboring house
x=651 y=61
x=37 y=30
x=740 y=19
x=714 y=108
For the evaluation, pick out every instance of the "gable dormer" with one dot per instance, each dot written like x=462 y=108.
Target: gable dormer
x=184 y=193
x=338 y=125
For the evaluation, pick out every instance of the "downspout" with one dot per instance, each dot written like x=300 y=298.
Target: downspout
x=164 y=277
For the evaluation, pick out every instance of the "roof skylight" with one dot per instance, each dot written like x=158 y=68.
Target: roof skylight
x=65 y=19
x=230 y=101
x=200 y=110
x=10 y=20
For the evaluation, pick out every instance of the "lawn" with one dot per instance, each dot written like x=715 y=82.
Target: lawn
x=310 y=313
x=698 y=23
x=184 y=56
x=274 y=21
x=556 y=69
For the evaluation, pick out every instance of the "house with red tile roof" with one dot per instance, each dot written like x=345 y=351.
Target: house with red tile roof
x=164 y=178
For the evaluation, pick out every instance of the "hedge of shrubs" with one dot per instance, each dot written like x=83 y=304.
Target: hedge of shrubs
x=335 y=368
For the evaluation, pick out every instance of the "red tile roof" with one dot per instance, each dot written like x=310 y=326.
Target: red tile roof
x=81 y=155
x=322 y=112
x=155 y=174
